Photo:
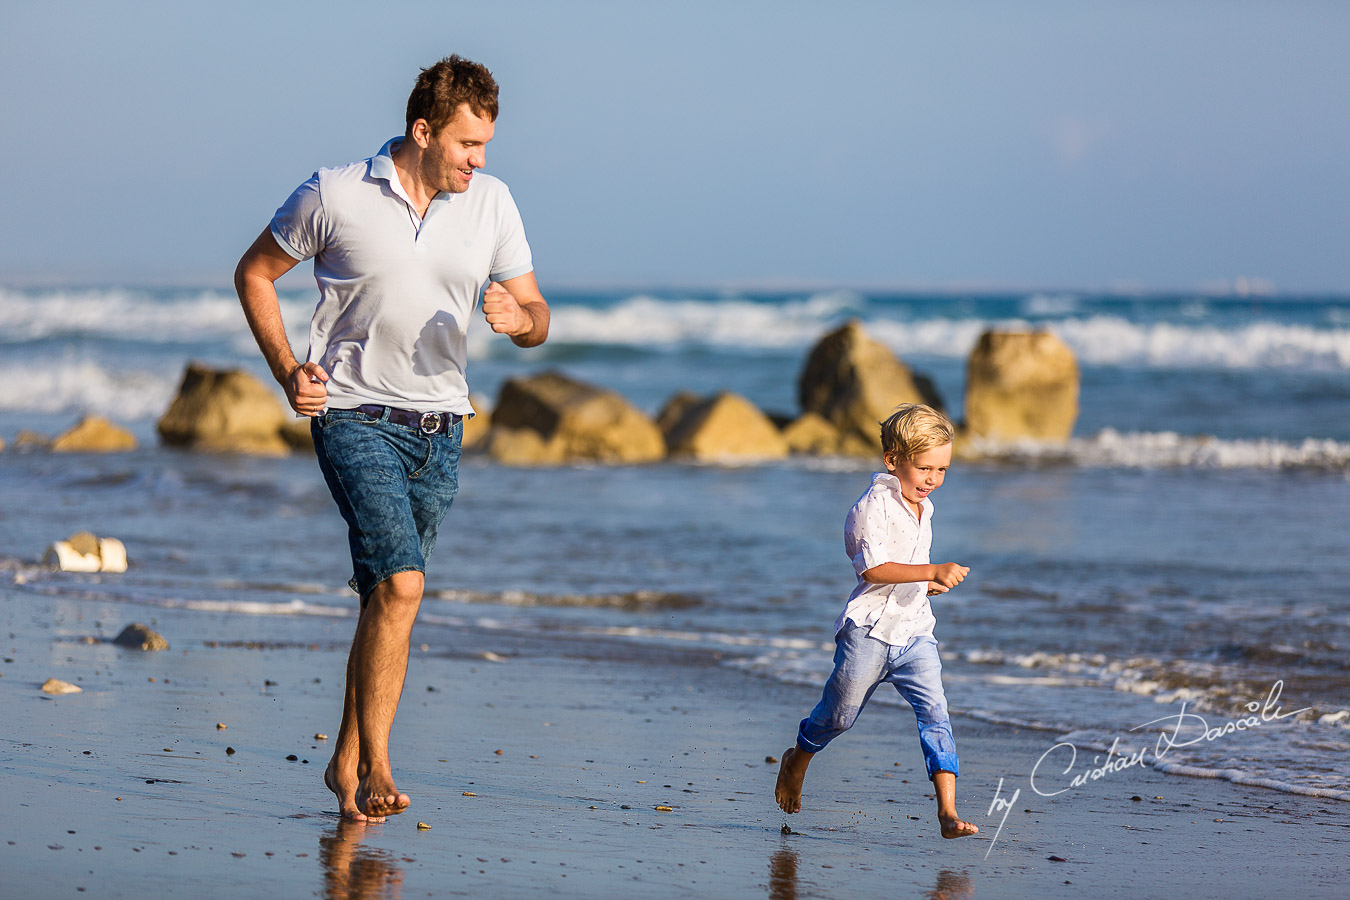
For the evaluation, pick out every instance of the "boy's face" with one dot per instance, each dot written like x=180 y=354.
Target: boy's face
x=921 y=475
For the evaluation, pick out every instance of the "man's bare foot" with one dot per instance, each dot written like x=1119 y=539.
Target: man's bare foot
x=346 y=795
x=791 y=774
x=379 y=798
x=955 y=827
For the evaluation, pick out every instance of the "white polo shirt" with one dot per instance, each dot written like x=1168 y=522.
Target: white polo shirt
x=882 y=528
x=396 y=290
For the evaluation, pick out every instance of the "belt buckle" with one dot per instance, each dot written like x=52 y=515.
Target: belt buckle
x=430 y=423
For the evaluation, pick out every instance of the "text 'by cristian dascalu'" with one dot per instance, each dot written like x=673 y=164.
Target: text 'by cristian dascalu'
x=1054 y=780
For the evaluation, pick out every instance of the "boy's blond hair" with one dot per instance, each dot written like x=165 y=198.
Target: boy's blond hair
x=913 y=429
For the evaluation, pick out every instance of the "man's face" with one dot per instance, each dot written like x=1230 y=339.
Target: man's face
x=452 y=155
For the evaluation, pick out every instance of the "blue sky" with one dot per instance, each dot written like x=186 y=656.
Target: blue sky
x=1038 y=144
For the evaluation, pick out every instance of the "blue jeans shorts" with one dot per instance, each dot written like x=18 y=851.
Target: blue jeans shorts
x=393 y=486
x=861 y=665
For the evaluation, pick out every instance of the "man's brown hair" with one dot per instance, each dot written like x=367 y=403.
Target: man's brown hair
x=443 y=88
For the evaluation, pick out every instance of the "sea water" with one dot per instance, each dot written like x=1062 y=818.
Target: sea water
x=1174 y=579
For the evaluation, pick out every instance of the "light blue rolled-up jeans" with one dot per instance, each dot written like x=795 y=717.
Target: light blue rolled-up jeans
x=861 y=665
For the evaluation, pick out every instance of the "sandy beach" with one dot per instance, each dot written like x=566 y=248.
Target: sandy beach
x=548 y=768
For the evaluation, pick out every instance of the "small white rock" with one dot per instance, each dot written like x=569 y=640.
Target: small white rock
x=57 y=686
x=114 y=554
x=68 y=559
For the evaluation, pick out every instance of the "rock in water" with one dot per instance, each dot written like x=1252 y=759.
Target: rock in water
x=551 y=419
x=57 y=686
x=724 y=428
x=476 y=428
x=854 y=382
x=297 y=435
x=1021 y=385
x=227 y=411
x=811 y=434
x=141 y=637
x=95 y=434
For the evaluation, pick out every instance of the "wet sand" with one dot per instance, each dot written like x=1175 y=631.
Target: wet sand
x=562 y=770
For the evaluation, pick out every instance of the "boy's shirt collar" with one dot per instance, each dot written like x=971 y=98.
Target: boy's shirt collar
x=892 y=484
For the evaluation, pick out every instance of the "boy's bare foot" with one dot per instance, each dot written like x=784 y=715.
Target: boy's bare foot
x=955 y=827
x=944 y=787
x=791 y=774
x=377 y=797
x=345 y=791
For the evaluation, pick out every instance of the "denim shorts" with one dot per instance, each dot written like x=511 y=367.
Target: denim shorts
x=393 y=486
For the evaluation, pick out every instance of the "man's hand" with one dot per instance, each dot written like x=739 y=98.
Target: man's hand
x=503 y=313
x=949 y=575
x=305 y=389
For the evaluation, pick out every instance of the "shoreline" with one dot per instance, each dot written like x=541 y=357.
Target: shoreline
x=591 y=744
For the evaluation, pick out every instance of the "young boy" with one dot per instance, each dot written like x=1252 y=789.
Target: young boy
x=885 y=633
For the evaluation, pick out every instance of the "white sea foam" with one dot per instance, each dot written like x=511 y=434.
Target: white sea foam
x=135 y=315
x=647 y=321
x=1167 y=450
x=1097 y=340
x=651 y=322
x=74 y=386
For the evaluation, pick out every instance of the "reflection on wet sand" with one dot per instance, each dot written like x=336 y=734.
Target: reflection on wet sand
x=952 y=886
x=353 y=871
x=783 y=875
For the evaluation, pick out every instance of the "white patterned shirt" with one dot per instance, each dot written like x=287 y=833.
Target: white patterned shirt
x=882 y=528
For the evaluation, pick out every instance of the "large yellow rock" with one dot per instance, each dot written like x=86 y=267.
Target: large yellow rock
x=224 y=411
x=724 y=428
x=1021 y=385
x=854 y=382
x=476 y=429
x=550 y=419
x=297 y=435
x=95 y=434
x=811 y=434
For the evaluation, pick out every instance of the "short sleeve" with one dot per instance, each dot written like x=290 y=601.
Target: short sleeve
x=512 y=257
x=869 y=526
x=300 y=225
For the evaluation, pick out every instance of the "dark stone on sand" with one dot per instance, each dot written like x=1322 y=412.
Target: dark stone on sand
x=141 y=637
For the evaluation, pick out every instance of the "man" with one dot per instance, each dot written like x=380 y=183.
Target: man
x=401 y=244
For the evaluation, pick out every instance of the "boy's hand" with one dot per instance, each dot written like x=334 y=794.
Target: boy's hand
x=934 y=589
x=949 y=575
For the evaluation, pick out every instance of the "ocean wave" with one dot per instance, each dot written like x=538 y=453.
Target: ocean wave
x=648 y=321
x=75 y=386
x=1168 y=450
x=736 y=323
x=1099 y=340
x=126 y=314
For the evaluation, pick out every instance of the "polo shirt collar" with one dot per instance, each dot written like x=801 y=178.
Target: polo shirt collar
x=382 y=167
x=382 y=163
